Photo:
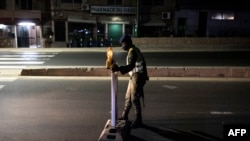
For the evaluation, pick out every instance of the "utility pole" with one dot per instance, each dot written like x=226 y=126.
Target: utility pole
x=138 y=20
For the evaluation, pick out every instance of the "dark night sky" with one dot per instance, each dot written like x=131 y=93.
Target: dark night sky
x=214 y=4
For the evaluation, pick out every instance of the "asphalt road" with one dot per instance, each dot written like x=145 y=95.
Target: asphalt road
x=97 y=58
x=156 y=58
x=77 y=108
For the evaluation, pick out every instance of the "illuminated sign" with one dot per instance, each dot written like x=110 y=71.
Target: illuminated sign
x=113 y=10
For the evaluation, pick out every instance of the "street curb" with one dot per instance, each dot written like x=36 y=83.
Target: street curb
x=217 y=72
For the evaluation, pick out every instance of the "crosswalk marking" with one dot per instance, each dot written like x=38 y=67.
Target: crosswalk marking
x=35 y=52
x=26 y=55
x=13 y=67
x=21 y=63
x=21 y=59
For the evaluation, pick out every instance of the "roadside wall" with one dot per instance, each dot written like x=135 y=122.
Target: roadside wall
x=191 y=41
x=213 y=72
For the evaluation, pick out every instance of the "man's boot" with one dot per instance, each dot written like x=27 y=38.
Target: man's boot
x=138 y=121
x=124 y=115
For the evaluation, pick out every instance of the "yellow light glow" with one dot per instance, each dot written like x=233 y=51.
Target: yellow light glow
x=109 y=53
x=109 y=58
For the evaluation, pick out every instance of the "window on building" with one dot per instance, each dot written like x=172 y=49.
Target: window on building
x=158 y=2
x=223 y=16
x=2 y=4
x=129 y=29
x=24 y=4
x=152 y=2
x=71 y=1
x=114 y=2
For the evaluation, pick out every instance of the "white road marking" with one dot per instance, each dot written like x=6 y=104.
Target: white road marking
x=21 y=62
x=26 y=55
x=7 y=79
x=220 y=113
x=211 y=113
x=1 y=86
x=25 y=58
x=13 y=67
x=171 y=87
x=22 y=59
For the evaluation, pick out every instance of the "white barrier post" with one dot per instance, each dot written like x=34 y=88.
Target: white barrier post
x=114 y=81
x=114 y=130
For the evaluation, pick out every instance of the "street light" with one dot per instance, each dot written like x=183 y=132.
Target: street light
x=26 y=24
x=2 y=26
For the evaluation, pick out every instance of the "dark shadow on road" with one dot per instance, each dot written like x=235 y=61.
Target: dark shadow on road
x=177 y=135
x=134 y=138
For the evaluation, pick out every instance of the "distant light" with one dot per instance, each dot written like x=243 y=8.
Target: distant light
x=223 y=16
x=115 y=19
x=2 y=26
x=26 y=24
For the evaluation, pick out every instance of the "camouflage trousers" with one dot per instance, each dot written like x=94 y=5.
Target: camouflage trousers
x=133 y=95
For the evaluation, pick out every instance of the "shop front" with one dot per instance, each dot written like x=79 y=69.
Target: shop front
x=28 y=35
x=22 y=35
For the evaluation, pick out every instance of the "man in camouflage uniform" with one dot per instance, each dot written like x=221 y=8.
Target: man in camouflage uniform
x=136 y=67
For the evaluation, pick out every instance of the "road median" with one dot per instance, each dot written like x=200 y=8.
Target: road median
x=231 y=72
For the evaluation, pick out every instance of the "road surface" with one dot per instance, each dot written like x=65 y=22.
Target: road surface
x=77 y=108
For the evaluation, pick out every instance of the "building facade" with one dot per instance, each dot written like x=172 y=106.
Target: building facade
x=212 y=18
x=87 y=23
x=20 y=23
x=84 y=23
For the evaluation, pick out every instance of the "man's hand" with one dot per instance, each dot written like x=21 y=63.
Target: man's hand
x=115 y=68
